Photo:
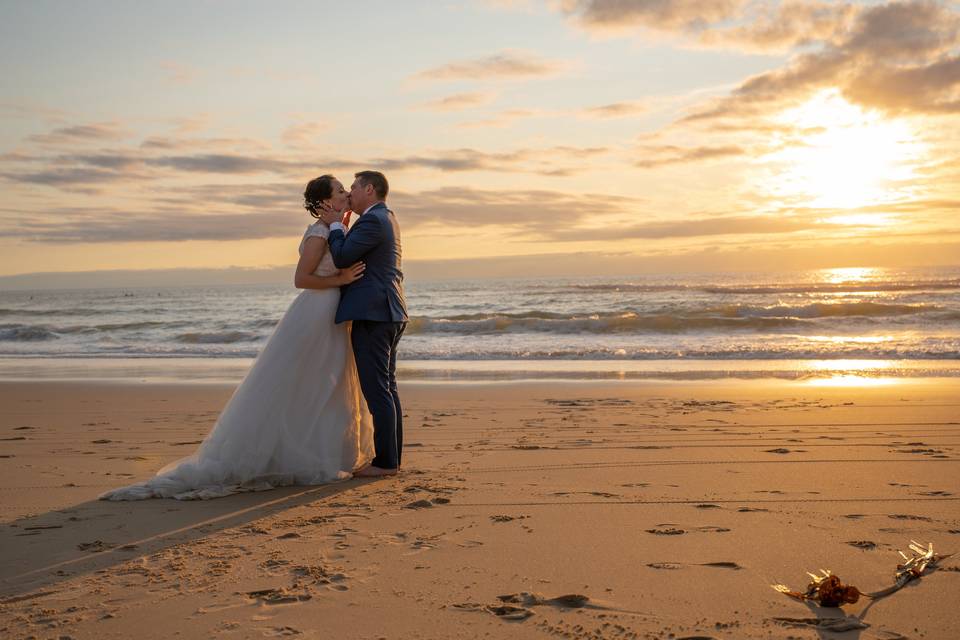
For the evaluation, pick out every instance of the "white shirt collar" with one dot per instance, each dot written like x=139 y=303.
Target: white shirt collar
x=372 y=206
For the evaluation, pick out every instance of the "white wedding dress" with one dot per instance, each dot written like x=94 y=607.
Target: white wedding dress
x=298 y=417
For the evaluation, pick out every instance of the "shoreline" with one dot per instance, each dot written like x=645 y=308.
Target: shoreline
x=232 y=370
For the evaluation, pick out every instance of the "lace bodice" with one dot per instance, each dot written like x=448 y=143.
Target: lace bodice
x=326 y=266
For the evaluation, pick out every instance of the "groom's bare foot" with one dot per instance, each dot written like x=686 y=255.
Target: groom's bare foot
x=371 y=471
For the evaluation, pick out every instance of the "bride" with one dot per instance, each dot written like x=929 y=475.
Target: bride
x=298 y=417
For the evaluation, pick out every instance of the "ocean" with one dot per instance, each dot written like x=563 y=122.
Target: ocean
x=728 y=322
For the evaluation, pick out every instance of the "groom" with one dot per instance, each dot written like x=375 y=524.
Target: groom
x=376 y=305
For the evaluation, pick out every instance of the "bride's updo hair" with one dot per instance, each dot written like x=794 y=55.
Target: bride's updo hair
x=318 y=190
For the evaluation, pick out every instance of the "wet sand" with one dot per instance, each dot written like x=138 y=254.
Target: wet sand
x=550 y=509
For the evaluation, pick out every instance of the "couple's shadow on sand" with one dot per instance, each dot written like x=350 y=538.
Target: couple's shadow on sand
x=41 y=551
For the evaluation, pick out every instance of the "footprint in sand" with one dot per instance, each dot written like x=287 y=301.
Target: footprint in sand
x=273 y=563
x=838 y=625
x=504 y=611
x=866 y=545
x=316 y=574
x=426 y=504
x=424 y=543
x=669 y=566
x=506 y=518
x=277 y=596
x=289 y=536
x=280 y=632
x=904 y=516
x=417 y=487
x=666 y=531
x=517 y=606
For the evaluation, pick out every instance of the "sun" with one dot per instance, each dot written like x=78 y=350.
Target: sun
x=845 y=157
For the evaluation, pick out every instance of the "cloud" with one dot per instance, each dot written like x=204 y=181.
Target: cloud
x=459 y=101
x=223 y=163
x=615 y=110
x=141 y=163
x=783 y=26
x=898 y=57
x=720 y=226
x=251 y=212
x=81 y=134
x=69 y=170
x=166 y=143
x=507 y=117
x=932 y=88
x=670 y=154
x=150 y=226
x=303 y=134
x=503 y=65
x=101 y=167
x=905 y=31
x=529 y=209
x=67 y=177
x=230 y=212
x=737 y=24
x=541 y=161
x=30 y=111
x=683 y=15
x=277 y=197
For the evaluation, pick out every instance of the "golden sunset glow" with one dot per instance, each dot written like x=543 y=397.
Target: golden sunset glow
x=845 y=157
x=849 y=373
x=863 y=220
x=852 y=381
x=849 y=275
x=852 y=339
x=590 y=264
x=798 y=135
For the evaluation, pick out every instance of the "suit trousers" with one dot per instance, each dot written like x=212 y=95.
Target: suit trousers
x=375 y=350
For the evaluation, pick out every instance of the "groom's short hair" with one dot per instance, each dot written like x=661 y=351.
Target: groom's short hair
x=376 y=180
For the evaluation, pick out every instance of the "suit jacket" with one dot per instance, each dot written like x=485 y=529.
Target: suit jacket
x=378 y=295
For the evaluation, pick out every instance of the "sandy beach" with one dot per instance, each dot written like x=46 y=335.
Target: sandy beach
x=667 y=509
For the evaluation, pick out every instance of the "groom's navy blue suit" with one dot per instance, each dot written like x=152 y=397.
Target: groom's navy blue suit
x=376 y=305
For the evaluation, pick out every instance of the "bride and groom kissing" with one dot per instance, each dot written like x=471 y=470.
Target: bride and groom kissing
x=320 y=402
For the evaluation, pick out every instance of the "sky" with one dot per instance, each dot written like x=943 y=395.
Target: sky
x=555 y=137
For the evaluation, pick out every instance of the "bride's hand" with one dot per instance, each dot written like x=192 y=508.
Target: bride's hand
x=328 y=214
x=352 y=273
